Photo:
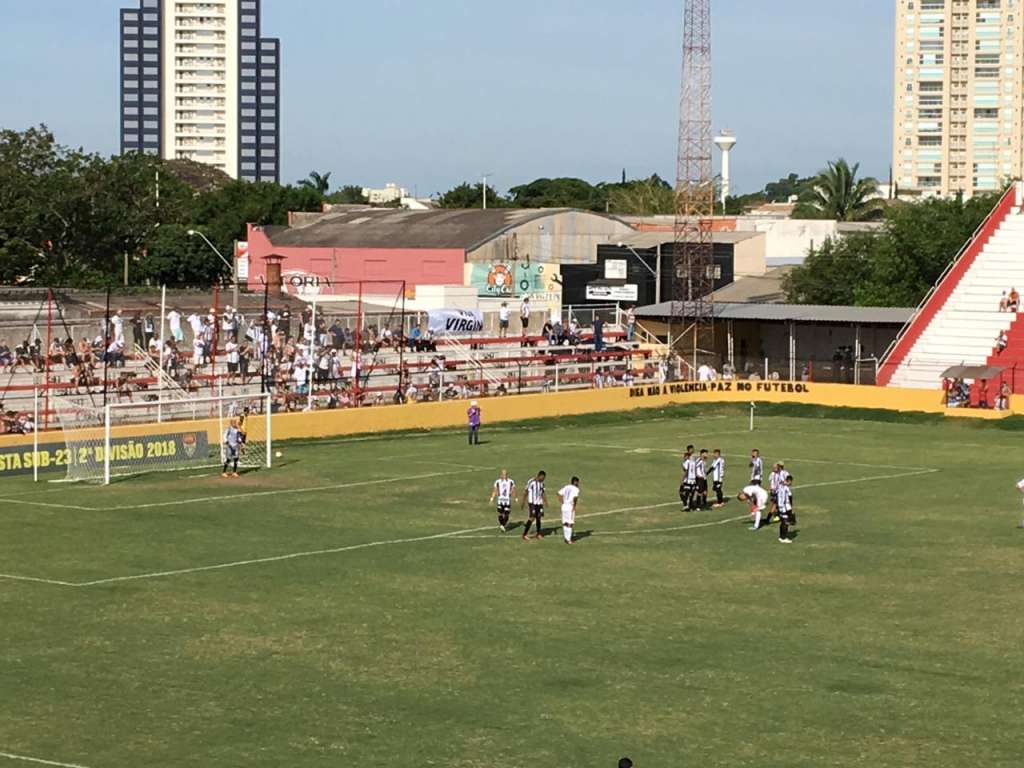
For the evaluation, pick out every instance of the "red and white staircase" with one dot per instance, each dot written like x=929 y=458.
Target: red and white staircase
x=958 y=322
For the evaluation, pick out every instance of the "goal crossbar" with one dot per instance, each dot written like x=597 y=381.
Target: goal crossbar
x=162 y=435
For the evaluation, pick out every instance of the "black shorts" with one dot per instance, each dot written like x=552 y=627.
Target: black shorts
x=536 y=511
x=504 y=507
x=503 y=323
x=702 y=485
x=755 y=481
x=775 y=497
x=232 y=367
x=717 y=485
x=241 y=438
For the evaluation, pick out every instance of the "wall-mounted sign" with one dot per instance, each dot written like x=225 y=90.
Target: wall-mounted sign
x=627 y=292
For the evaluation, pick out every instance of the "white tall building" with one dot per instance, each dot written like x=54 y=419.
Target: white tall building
x=198 y=82
x=957 y=117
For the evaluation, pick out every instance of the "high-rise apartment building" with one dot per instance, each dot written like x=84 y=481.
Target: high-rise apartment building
x=957 y=117
x=198 y=82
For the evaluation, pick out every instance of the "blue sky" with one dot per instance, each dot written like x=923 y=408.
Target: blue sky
x=428 y=94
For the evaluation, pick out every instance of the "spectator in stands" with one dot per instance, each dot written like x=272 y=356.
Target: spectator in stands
x=1003 y=400
x=598 y=333
x=195 y=322
x=117 y=322
x=149 y=327
x=503 y=320
x=524 y=315
x=115 y=353
x=1001 y=341
x=6 y=357
x=1004 y=303
x=137 y=336
x=1014 y=300
x=174 y=324
x=56 y=353
x=630 y=324
x=598 y=380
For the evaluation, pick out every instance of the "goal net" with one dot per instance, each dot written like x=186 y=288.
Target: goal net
x=161 y=435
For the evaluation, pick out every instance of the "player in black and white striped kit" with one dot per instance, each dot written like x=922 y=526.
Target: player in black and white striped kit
x=701 y=470
x=756 y=467
x=718 y=478
x=688 y=484
x=537 y=499
x=785 y=508
x=505 y=492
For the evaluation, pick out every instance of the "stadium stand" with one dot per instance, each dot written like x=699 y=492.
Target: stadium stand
x=960 y=320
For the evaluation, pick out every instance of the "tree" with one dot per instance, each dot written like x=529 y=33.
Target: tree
x=467 y=195
x=645 y=197
x=316 y=181
x=350 y=194
x=838 y=194
x=832 y=273
x=894 y=267
x=559 y=193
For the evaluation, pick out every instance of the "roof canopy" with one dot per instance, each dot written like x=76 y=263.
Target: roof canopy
x=985 y=372
x=798 y=313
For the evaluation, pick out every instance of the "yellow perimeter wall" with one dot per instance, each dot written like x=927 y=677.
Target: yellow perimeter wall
x=514 y=408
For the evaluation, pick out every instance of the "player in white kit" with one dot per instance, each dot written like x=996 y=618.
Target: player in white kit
x=569 y=495
x=505 y=492
x=758 y=499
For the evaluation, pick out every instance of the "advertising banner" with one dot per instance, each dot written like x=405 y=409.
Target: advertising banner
x=627 y=292
x=150 y=450
x=455 y=320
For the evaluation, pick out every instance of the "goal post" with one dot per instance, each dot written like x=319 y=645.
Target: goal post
x=119 y=439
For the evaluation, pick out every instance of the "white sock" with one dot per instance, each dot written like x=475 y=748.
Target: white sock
x=567 y=532
x=757 y=518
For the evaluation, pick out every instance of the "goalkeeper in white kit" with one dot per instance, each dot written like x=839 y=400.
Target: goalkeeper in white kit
x=232 y=448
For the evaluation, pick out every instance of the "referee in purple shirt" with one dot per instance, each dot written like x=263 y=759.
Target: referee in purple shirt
x=474 y=423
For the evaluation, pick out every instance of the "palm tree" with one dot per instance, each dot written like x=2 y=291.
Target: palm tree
x=321 y=183
x=838 y=194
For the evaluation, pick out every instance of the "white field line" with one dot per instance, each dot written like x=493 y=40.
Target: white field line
x=679 y=452
x=15 y=577
x=254 y=494
x=38 y=761
x=433 y=537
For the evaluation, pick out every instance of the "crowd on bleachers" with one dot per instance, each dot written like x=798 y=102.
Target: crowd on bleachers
x=320 y=361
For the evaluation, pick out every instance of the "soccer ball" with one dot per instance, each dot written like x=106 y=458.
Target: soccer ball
x=278 y=454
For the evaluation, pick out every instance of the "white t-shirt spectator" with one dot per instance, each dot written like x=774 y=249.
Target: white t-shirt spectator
x=232 y=349
x=704 y=373
x=524 y=310
x=174 y=321
x=503 y=314
x=196 y=322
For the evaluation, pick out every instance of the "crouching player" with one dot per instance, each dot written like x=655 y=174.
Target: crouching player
x=505 y=492
x=569 y=495
x=232 y=447
x=787 y=516
x=757 y=497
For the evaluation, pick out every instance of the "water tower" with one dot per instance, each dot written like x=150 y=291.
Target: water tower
x=725 y=142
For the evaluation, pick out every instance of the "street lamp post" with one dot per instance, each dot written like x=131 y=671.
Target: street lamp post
x=653 y=271
x=232 y=267
x=483 y=186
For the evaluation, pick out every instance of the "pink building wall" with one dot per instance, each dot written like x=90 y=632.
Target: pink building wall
x=331 y=268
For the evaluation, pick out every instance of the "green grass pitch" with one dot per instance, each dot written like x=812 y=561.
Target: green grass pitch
x=357 y=605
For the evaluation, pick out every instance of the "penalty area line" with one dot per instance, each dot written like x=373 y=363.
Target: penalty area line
x=38 y=760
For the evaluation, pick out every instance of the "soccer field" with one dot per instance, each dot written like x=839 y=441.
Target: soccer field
x=357 y=605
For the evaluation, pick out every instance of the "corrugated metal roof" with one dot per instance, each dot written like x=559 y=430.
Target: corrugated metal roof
x=399 y=228
x=650 y=240
x=800 y=313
